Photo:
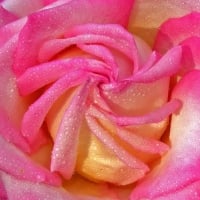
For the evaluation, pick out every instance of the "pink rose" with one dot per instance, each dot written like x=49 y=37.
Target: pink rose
x=99 y=100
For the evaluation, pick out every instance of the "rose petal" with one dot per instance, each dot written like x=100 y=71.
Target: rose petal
x=179 y=169
x=192 y=44
x=6 y=17
x=35 y=115
x=98 y=163
x=104 y=136
x=22 y=8
x=190 y=192
x=16 y=163
x=136 y=141
x=66 y=142
x=78 y=185
x=147 y=16
x=152 y=117
x=36 y=77
x=10 y=31
x=22 y=190
x=113 y=31
x=12 y=133
x=124 y=46
x=12 y=106
x=167 y=66
x=103 y=53
x=36 y=30
x=175 y=30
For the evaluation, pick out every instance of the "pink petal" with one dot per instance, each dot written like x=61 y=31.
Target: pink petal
x=152 y=117
x=10 y=31
x=104 y=136
x=57 y=45
x=12 y=133
x=190 y=192
x=50 y=23
x=193 y=44
x=16 y=163
x=179 y=169
x=40 y=75
x=12 y=106
x=23 y=190
x=66 y=142
x=141 y=143
x=136 y=141
x=132 y=99
x=36 y=113
x=168 y=65
x=147 y=16
x=22 y=8
x=174 y=31
x=114 y=32
x=6 y=17
x=103 y=53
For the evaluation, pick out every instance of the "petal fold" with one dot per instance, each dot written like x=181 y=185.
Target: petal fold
x=16 y=163
x=178 y=173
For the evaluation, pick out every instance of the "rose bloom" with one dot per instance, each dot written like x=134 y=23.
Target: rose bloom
x=99 y=100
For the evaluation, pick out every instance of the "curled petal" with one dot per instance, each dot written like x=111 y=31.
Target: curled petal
x=22 y=8
x=12 y=133
x=65 y=147
x=167 y=66
x=192 y=53
x=190 y=192
x=103 y=53
x=41 y=75
x=23 y=190
x=6 y=17
x=178 y=173
x=141 y=143
x=58 y=45
x=176 y=30
x=36 y=31
x=122 y=154
x=147 y=16
x=16 y=163
x=112 y=31
x=34 y=117
x=12 y=105
x=152 y=117
x=136 y=141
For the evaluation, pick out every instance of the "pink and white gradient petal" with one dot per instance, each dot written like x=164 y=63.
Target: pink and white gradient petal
x=18 y=164
x=65 y=148
x=16 y=189
x=178 y=173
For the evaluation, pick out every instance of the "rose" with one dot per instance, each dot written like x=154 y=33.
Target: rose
x=28 y=54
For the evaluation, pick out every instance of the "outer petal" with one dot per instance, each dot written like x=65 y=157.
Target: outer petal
x=16 y=163
x=178 y=172
x=22 y=8
x=6 y=17
x=184 y=31
x=192 y=45
x=22 y=190
x=147 y=16
x=175 y=30
x=12 y=106
x=50 y=23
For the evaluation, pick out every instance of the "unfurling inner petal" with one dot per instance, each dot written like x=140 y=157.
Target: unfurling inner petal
x=65 y=147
